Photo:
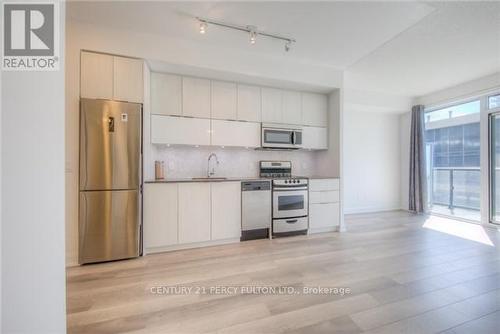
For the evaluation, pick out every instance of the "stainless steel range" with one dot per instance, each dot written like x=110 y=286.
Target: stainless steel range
x=290 y=198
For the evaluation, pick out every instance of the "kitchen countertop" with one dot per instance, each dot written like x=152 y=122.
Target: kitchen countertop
x=229 y=179
x=213 y=179
x=315 y=177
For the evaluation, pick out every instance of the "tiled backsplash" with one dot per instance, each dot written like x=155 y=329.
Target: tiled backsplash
x=186 y=161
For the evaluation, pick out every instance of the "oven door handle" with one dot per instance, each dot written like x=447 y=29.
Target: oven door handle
x=290 y=189
x=293 y=137
x=291 y=221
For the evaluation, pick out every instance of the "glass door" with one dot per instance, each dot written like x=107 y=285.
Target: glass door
x=494 y=160
x=452 y=136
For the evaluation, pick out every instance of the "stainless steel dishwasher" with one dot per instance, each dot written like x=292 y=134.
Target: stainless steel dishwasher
x=256 y=215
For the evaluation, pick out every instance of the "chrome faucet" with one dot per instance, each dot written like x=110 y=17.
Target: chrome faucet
x=211 y=173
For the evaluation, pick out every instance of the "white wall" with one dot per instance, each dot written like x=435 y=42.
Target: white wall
x=371 y=161
x=1 y=43
x=32 y=139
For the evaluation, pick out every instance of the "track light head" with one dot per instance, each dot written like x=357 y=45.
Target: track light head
x=253 y=34
x=203 y=27
x=288 y=45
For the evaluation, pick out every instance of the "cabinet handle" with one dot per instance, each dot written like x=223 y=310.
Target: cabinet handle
x=293 y=221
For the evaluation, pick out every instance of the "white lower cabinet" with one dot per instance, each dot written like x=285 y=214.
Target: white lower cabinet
x=234 y=133
x=324 y=205
x=194 y=212
x=160 y=215
x=323 y=216
x=180 y=130
x=184 y=215
x=226 y=210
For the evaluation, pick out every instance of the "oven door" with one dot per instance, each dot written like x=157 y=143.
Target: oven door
x=278 y=138
x=290 y=203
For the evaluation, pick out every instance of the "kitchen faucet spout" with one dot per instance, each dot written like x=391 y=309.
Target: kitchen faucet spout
x=211 y=172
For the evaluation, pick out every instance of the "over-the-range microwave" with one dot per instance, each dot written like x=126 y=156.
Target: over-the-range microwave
x=281 y=136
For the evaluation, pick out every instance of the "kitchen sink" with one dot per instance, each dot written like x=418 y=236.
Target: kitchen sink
x=209 y=178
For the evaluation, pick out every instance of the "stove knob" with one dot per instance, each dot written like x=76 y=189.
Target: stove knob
x=286 y=181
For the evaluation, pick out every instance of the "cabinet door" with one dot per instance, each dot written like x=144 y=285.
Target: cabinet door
x=324 y=215
x=128 y=84
x=271 y=105
x=235 y=133
x=96 y=76
x=194 y=212
x=160 y=215
x=292 y=107
x=166 y=94
x=315 y=138
x=249 y=103
x=314 y=109
x=195 y=97
x=224 y=100
x=179 y=130
x=226 y=210
x=324 y=184
x=321 y=197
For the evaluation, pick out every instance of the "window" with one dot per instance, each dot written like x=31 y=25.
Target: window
x=494 y=101
x=463 y=109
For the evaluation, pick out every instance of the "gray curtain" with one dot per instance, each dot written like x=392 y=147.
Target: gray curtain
x=418 y=180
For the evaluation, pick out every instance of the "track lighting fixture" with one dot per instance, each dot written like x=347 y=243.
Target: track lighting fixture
x=251 y=30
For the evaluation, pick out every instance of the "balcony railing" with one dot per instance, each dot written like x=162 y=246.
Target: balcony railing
x=455 y=187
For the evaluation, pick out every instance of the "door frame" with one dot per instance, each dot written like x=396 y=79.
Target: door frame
x=490 y=114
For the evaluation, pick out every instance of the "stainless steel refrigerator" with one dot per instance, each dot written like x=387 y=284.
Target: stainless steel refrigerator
x=110 y=180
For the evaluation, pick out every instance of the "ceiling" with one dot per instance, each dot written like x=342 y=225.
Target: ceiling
x=405 y=48
x=330 y=33
x=458 y=42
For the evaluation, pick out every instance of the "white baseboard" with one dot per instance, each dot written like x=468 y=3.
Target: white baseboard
x=323 y=229
x=187 y=246
x=350 y=211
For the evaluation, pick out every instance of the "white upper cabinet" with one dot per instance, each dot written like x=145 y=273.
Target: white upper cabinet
x=96 y=76
x=128 y=83
x=314 y=109
x=249 y=103
x=179 y=130
x=194 y=212
x=234 y=133
x=272 y=102
x=195 y=97
x=226 y=210
x=111 y=77
x=224 y=100
x=166 y=94
x=315 y=138
x=292 y=107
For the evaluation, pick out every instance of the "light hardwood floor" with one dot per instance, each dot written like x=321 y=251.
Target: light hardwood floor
x=403 y=277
